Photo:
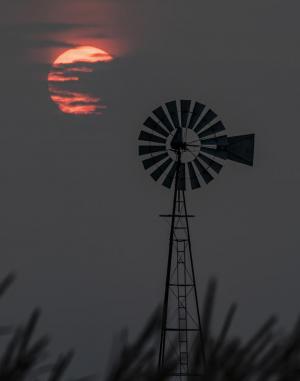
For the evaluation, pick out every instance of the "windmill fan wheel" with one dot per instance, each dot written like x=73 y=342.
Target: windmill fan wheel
x=187 y=127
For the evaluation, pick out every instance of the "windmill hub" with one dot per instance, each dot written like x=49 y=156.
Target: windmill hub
x=183 y=142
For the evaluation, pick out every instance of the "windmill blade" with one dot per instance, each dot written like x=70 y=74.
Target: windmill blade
x=172 y=108
x=151 y=138
x=207 y=177
x=181 y=177
x=193 y=177
x=198 y=108
x=241 y=149
x=170 y=176
x=217 y=152
x=220 y=141
x=154 y=126
x=212 y=164
x=145 y=150
x=161 y=169
x=208 y=117
x=147 y=163
x=161 y=115
x=214 y=129
x=185 y=106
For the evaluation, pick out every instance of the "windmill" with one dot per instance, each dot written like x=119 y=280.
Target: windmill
x=183 y=145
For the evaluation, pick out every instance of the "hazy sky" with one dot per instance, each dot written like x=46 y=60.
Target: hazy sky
x=79 y=215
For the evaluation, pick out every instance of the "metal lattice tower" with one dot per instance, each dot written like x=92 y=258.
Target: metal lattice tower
x=181 y=323
x=182 y=144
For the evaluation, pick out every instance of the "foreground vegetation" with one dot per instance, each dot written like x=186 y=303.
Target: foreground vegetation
x=266 y=356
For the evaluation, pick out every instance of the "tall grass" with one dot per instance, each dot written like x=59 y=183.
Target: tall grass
x=25 y=357
x=266 y=356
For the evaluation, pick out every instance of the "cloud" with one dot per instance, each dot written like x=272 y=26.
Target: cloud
x=34 y=28
x=49 y=44
x=76 y=103
x=44 y=35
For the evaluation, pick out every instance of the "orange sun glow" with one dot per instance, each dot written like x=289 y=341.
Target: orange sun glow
x=83 y=54
x=69 y=69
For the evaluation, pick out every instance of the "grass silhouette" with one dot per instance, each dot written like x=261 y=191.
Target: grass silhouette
x=24 y=357
x=266 y=356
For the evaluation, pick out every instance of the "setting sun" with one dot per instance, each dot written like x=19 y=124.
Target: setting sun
x=71 y=69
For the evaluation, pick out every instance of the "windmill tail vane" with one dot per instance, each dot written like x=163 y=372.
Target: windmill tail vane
x=183 y=145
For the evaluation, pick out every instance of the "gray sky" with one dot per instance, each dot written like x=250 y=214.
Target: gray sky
x=79 y=215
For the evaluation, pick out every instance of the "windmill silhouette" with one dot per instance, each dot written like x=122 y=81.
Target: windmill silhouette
x=182 y=147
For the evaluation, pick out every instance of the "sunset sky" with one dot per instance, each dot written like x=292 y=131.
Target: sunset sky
x=79 y=215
